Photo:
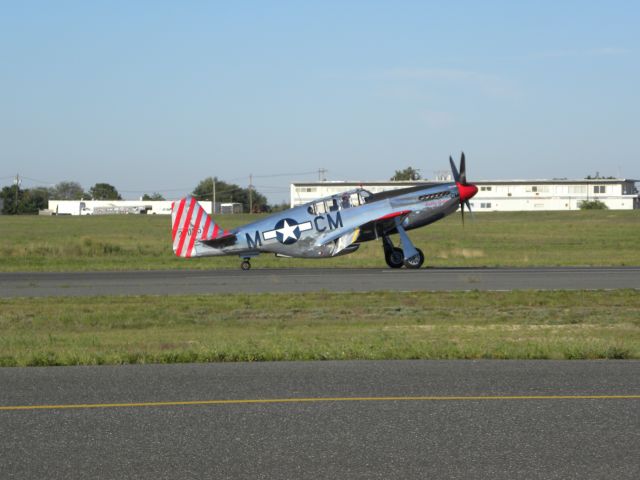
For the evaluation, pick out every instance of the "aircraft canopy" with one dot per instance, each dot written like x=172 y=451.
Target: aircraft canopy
x=339 y=201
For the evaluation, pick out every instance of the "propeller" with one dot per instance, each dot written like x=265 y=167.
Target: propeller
x=454 y=170
x=465 y=189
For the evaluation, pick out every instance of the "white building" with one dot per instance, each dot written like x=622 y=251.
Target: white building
x=110 y=207
x=102 y=207
x=503 y=195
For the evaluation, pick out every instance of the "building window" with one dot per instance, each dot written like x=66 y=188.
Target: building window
x=485 y=189
x=485 y=205
x=599 y=189
x=534 y=188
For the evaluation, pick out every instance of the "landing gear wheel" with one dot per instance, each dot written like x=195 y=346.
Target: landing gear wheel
x=394 y=257
x=415 y=261
x=245 y=265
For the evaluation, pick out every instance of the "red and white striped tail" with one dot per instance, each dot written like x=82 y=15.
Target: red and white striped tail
x=189 y=222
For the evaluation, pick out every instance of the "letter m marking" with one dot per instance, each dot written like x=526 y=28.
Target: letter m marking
x=334 y=224
x=255 y=241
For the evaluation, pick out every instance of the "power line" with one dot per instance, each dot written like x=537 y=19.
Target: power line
x=227 y=189
x=220 y=191
x=46 y=182
x=226 y=181
x=272 y=186
x=285 y=174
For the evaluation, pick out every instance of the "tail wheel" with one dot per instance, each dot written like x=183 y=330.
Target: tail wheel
x=245 y=265
x=394 y=257
x=416 y=261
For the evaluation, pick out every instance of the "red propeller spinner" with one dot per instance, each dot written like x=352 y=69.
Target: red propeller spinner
x=466 y=190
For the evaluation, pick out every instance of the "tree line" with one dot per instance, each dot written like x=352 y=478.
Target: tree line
x=30 y=200
x=250 y=198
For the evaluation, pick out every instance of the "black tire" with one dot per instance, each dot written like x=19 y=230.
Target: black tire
x=245 y=265
x=394 y=258
x=415 y=261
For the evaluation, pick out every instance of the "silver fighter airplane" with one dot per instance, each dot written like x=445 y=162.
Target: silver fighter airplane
x=329 y=226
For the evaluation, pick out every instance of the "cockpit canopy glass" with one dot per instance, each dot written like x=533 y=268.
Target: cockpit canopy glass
x=340 y=201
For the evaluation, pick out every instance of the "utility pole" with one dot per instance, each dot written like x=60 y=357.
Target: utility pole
x=321 y=174
x=213 y=196
x=250 y=193
x=17 y=182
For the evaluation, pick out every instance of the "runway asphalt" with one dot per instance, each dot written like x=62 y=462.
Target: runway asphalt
x=548 y=431
x=310 y=280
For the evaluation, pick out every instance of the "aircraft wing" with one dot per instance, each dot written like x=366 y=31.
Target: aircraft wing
x=224 y=241
x=346 y=237
x=387 y=222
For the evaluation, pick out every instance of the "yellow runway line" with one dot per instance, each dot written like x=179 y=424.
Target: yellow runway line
x=265 y=401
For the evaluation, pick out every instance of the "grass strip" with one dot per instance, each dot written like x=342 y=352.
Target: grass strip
x=320 y=326
x=143 y=242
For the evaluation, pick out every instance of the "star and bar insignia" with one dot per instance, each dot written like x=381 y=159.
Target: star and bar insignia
x=287 y=231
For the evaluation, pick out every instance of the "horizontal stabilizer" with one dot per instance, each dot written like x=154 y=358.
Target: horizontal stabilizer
x=220 y=242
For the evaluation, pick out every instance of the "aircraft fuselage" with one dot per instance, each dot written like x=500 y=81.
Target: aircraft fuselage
x=315 y=231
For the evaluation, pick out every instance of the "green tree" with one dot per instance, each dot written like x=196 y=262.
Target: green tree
x=29 y=201
x=68 y=190
x=104 y=191
x=35 y=199
x=153 y=197
x=408 y=173
x=230 y=192
x=593 y=205
x=8 y=194
x=260 y=203
x=279 y=207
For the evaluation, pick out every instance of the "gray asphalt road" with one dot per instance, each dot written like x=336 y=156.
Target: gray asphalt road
x=529 y=437
x=305 y=280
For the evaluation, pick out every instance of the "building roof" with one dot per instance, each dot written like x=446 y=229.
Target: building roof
x=555 y=181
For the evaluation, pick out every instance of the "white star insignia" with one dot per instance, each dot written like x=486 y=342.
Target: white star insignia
x=287 y=231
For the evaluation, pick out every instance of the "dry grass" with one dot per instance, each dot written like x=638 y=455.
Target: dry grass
x=525 y=324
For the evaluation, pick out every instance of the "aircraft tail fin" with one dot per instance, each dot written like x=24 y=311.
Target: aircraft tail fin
x=190 y=222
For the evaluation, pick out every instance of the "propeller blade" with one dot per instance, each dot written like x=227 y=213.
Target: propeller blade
x=463 y=170
x=462 y=211
x=454 y=170
x=470 y=211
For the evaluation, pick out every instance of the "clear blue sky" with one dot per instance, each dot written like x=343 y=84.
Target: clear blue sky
x=154 y=96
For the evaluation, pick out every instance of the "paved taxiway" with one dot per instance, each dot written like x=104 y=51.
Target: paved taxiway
x=481 y=434
x=311 y=280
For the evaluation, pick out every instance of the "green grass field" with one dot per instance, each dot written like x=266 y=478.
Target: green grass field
x=319 y=326
x=525 y=324
x=31 y=243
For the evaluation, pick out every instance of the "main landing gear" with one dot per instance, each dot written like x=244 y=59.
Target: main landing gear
x=397 y=257
x=394 y=256
x=416 y=261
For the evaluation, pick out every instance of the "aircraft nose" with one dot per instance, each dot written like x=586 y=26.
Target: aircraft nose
x=466 y=191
